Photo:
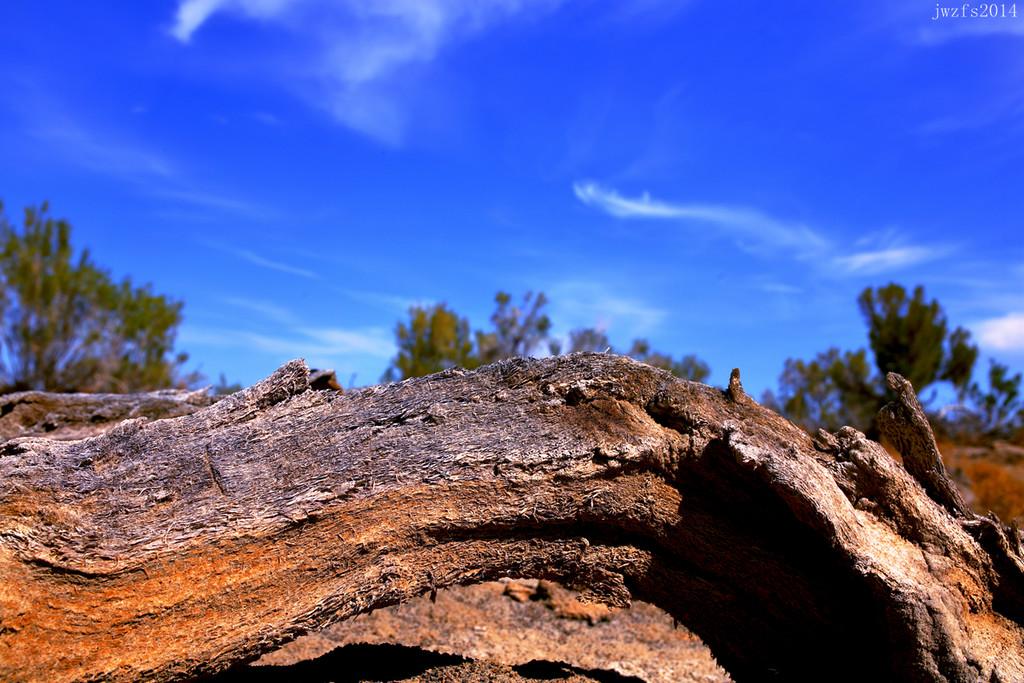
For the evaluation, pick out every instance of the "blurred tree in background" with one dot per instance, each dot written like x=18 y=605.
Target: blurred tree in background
x=687 y=367
x=588 y=339
x=833 y=389
x=434 y=339
x=596 y=341
x=909 y=336
x=1000 y=409
x=906 y=334
x=67 y=326
x=225 y=388
x=518 y=330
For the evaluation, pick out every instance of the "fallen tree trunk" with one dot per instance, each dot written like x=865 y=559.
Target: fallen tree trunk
x=173 y=548
x=76 y=416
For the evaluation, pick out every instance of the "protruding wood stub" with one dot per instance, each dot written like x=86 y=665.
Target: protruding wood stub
x=904 y=424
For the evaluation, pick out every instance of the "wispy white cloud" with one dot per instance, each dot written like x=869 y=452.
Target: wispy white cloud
x=190 y=16
x=589 y=303
x=266 y=118
x=69 y=139
x=747 y=226
x=886 y=250
x=208 y=200
x=399 y=304
x=281 y=333
x=322 y=347
x=1005 y=333
x=779 y=288
x=85 y=148
x=376 y=341
x=999 y=114
x=266 y=309
x=892 y=258
x=931 y=24
x=756 y=231
x=354 y=53
x=947 y=29
x=256 y=259
x=271 y=264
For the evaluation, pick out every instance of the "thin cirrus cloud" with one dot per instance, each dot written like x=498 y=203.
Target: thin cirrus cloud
x=71 y=140
x=943 y=30
x=150 y=173
x=927 y=25
x=391 y=302
x=283 y=316
x=1005 y=333
x=110 y=157
x=312 y=341
x=319 y=346
x=751 y=228
x=266 y=309
x=262 y=261
x=208 y=200
x=352 y=55
x=779 y=288
x=893 y=258
x=745 y=225
x=590 y=303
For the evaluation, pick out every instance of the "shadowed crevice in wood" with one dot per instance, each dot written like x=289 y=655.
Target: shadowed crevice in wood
x=166 y=549
x=358 y=663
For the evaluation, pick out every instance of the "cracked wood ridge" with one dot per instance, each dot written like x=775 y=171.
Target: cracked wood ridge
x=164 y=549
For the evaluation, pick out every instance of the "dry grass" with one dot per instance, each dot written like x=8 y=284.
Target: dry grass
x=996 y=488
x=992 y=478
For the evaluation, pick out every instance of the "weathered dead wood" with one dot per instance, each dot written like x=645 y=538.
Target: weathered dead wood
x=168 y=549
x=323 y=380
x=76 y=416
x=904 y=424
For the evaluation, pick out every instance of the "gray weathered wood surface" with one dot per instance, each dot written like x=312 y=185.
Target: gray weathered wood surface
x=164 y=549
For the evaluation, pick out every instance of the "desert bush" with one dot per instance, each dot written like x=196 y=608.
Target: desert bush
x=69 y=326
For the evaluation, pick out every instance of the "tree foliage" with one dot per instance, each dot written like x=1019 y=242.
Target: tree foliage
x=687 y=367
x=831 y=390
x=68 y=326
x=907 y=334
x=518 y=330
x=1000 y=408
x=434 y=339
x=224 y=388
x=588 y=339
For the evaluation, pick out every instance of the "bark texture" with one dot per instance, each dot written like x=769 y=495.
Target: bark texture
x=166 y=549
x=76 y=416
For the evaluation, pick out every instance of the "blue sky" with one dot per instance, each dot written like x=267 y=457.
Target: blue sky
x=720 y=178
